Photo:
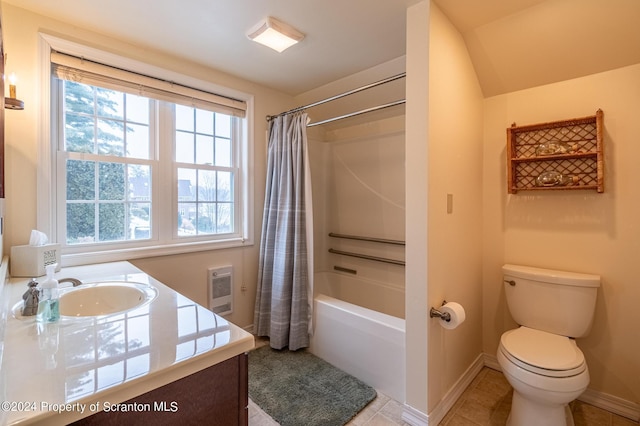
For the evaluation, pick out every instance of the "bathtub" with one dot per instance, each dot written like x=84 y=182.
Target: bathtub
x=367 y=344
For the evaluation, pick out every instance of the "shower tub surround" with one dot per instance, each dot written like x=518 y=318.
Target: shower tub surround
x=366 y=343
x=146 y=362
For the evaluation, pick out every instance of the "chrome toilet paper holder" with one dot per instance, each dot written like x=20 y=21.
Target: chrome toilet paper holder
x=434 y=313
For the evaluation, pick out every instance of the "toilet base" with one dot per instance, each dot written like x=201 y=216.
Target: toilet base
x=525 y=412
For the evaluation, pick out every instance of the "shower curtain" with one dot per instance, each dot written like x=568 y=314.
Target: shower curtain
x=285 y=276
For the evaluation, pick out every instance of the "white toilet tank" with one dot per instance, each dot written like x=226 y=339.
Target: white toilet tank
x=557 y=302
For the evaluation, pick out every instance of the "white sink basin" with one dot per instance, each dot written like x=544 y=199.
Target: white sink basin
x=104 y=298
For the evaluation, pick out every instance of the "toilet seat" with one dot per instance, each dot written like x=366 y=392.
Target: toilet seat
x=542 y=353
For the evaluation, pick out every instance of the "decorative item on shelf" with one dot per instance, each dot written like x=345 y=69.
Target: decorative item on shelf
x=12 y=102
x=553 y=178
x=555 y=148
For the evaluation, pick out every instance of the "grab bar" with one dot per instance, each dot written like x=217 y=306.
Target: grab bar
x=370 y=239
x=367 y=257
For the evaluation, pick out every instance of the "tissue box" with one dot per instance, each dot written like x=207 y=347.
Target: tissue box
x=30 y=261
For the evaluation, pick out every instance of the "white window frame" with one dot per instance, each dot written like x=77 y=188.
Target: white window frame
x=46 y=182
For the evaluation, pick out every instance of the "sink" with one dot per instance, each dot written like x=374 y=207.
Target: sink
x=104 y=298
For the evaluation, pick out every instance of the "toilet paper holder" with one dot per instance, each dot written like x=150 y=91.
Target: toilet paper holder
x=434 y=313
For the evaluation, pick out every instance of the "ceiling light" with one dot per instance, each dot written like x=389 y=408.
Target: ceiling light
x=275 y=34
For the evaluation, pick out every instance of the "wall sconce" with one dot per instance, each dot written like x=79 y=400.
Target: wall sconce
x=12 y=102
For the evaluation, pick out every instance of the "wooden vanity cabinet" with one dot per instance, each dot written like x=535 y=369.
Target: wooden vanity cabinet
x=217 y=395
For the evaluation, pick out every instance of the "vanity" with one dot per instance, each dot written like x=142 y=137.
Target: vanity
x=167 y=360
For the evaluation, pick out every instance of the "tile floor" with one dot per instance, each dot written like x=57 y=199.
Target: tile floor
x=486 y=402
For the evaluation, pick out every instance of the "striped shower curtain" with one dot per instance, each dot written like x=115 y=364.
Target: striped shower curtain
x=284 y=294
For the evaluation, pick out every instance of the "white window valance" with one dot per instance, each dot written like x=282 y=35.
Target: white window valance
x=72 y=68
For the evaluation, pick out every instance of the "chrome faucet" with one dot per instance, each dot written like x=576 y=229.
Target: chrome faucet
x=76 y=282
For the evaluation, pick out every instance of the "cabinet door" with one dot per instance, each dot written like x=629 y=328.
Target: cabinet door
x=217 y=395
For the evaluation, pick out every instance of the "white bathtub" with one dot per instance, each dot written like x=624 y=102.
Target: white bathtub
x=367 y=344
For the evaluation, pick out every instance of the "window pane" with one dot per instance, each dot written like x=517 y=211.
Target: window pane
x=111 y=181
x=204 y=149
x=186 y=185
x=223 y=125
x=184 y=147
x=223 y=152
x=187 y=219
x=137 y=141
x=137 y=109
x=225 y=188
x=109 y=103
x=139 y=182
x=80 y=223
x=206 y=218
x=81 y=176
x=140 y=221
x=224 y=222
x=206 y=185
x=204 y=122
x=184 y=118
x=78 y=98
x=79 y=133
x=111 y=221
x=110 y=137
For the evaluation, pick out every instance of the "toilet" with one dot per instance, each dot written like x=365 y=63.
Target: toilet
x=540 y=359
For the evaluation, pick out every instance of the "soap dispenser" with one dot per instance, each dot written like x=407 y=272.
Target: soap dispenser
x=48 y=306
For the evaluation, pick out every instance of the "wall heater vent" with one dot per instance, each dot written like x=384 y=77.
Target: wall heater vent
x=221 y=290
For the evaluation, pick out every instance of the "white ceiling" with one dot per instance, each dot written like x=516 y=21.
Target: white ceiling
x=514 y=44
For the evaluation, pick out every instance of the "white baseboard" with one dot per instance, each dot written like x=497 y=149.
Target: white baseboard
x=491 y=361
x=417 y=418
x=414 y=417
x=611 y=403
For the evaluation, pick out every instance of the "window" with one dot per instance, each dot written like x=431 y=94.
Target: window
x=206 y=173
x=142 y=166
x=106 y=159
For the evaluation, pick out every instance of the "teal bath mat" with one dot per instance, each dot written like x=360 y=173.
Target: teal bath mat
x=298 y=388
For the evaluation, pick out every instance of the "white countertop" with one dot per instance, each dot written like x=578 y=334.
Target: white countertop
x=82 y=365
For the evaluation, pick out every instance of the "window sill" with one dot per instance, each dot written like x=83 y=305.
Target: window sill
x=90 y=257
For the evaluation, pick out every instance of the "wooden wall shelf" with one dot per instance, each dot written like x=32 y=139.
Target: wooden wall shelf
x=586 y=164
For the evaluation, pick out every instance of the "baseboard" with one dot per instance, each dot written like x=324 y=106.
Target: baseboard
x=414 y=417
x=491 y=361
x=611 y=403
x=417 y=418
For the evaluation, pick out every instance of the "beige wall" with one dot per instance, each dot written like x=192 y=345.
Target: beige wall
x=579 y=231
x=185 y=273
x=444 y=156
x=455 y=167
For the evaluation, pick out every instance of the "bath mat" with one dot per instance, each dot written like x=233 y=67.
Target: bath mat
x=298 y=388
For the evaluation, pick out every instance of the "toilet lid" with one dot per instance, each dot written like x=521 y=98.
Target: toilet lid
x=542 y=352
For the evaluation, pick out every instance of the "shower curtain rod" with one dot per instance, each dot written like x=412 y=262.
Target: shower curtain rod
x=342 y=95
x=353 y=114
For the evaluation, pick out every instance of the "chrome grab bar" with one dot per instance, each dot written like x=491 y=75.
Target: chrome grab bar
x=367 y=257
x=369 y=239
